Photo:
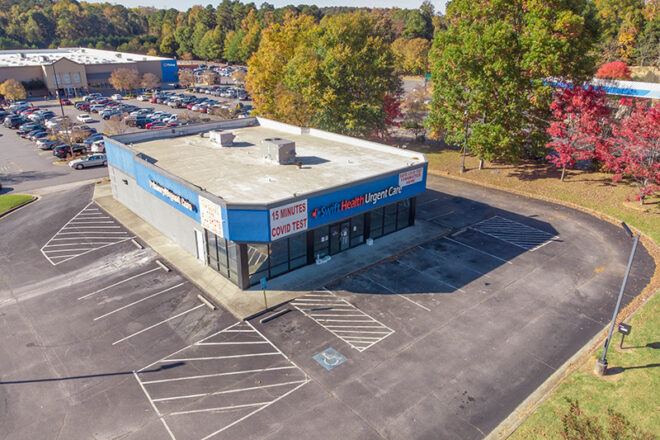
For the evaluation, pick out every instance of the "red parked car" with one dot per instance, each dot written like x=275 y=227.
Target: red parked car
x=154 y=100
x=29 y=111
x=66 y=101
x=158 y=125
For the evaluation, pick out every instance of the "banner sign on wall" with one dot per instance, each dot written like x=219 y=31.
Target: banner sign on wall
x=410 y=177
x=288 y=219
x=211 y=216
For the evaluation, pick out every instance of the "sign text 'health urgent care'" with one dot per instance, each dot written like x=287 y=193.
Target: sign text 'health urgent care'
x=288 y=219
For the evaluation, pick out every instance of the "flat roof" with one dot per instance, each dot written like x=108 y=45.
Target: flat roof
x=239 y=174
x=81 y=55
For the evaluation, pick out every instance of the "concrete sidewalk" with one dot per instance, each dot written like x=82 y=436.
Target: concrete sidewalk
x=246 y=303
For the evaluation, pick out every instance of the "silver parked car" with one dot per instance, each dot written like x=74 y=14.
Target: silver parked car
x=91 y=160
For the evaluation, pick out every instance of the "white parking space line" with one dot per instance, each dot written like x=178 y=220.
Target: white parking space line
x=514 y=233
x=231 y=373
x=118 y=283
x=157 y=324
x=139 y=301
x=235 y=390
x=83 y=231
x=153 y=405
x=436 y=279
x=444 y=214
x=478 y=250
x=317 y=307
x=428 y=201
x=400 y=295
x=212 y=358
x=227 y=390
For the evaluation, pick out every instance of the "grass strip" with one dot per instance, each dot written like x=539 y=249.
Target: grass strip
x=9 y=201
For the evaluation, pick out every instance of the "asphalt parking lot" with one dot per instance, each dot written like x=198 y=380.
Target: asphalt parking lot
x=441 y=341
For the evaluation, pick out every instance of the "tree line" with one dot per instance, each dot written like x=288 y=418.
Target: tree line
x=229 y=32
x=626 y=30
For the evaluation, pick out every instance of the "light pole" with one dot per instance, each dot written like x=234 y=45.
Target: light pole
x=601 y=365
x=57 y=90
x=64 y=121
x=467 y=120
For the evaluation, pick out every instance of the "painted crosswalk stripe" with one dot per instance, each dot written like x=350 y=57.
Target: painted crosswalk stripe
x=342 y=319
x=84 y=230
x=515 y=233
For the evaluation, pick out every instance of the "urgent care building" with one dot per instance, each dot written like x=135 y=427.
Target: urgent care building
x=254 y=198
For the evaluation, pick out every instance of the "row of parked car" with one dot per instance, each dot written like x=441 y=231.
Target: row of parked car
x=192 y=102
x=134 y=116
x=48 y=131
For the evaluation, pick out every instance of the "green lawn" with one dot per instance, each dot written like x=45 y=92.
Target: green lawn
x=634 y=389
x=9 y=201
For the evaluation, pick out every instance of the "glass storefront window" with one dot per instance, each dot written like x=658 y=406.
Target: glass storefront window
x=298 y=250
x=216 y=249
x=377 y=223
x=279 y=257
x=389 y=218
x=232 y=257
x=257 y=258
x=223 y=267
x=403 y=214
x=211 y=250
x=321 y=241
x=357 y=230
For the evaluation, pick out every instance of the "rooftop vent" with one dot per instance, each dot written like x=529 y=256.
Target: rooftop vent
x=222 y=138
x=118 y=55
x=279 y=151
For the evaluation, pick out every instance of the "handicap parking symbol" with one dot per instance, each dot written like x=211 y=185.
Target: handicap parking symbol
x=329 y=358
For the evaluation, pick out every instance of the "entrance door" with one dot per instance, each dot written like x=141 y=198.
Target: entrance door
x=335 y=239
x=340 y=237
x=345 y=239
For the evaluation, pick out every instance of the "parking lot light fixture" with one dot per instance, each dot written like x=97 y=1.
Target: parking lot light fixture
x=601 y=366
x=467 y=121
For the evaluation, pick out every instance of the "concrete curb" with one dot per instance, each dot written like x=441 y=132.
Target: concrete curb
x=543 y=392
x=16 y=208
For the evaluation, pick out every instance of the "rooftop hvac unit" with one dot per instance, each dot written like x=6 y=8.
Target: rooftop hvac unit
x=279 y=151
x=222 y=138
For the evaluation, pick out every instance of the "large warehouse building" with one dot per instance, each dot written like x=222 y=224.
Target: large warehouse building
x=254 y=198
x=77 y=69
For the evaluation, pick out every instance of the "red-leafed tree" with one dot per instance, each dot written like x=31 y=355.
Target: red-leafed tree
x=614 y=70
x=580 y=115
x=634 y=148
x=392 y=114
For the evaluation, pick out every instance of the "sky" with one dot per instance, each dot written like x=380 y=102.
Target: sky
x=185 y=4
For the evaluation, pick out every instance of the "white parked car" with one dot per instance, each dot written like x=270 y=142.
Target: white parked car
x=143 y=98
x=84 y=117
x=98 y=146
x=55 y=122
x=117 y=97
